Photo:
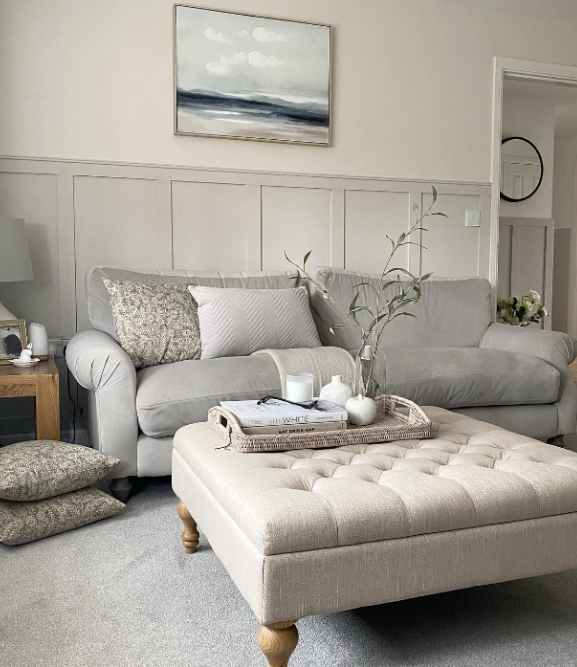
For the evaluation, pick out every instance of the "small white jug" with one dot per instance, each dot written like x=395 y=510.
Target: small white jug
x=336 y=391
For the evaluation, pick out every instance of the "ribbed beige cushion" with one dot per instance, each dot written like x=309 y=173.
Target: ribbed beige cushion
x=471 y=474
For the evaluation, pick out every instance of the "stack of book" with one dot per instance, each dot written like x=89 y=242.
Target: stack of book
x=277 y=417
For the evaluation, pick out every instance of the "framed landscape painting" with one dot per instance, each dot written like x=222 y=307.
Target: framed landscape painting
x=251 y=77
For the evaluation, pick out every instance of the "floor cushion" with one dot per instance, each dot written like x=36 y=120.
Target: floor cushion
x=39 y=469
x=22 y=522
x=174 y=395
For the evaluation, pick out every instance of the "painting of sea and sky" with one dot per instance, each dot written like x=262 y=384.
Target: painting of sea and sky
x=248 y=77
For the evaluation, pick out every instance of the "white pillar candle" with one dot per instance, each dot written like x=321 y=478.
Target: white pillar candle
x=299 y=387
x=39 y=339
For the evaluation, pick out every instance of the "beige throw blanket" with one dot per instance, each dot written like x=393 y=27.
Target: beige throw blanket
x=322 y=362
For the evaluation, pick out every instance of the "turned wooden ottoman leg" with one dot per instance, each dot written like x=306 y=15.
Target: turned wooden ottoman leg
x=278 y=641
x=190 y=533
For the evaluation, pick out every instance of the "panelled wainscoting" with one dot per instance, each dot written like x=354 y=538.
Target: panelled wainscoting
x=526 y=247
x=81 y=214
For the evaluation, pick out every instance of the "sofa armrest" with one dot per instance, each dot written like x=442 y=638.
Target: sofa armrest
x=100 y=365
x=556 y=348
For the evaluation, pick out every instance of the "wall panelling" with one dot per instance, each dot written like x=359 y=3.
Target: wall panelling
x=150 y=216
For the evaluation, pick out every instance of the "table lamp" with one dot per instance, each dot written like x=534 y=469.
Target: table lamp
x=15 y=264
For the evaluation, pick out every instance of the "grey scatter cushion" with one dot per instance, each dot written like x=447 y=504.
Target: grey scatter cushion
x=155 y=324
x=40 y=469
x=237 y=322
x=27 y=522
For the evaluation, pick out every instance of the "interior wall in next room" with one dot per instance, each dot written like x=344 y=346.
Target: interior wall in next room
x=564 y=207
x=561 y=287
x=532 y=119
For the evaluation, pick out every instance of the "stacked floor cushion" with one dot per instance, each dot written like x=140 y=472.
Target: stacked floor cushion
x=45 y=489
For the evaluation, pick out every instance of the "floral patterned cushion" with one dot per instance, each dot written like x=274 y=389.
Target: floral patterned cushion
x=39 y=469
x=155 y=324
x=27 y=522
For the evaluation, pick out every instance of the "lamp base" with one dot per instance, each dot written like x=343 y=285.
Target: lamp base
x=5 y=314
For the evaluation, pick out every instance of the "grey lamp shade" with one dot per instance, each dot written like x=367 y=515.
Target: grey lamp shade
x=15 y=261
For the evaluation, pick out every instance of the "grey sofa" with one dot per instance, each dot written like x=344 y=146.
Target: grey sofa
x=451 y=356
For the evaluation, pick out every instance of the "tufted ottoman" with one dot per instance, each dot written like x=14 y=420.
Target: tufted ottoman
x=318 y=531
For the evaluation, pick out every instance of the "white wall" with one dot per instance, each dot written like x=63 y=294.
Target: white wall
x=412 y=84
x=563 y=181
x=561 y=292
x=564 y=208
x=532 y=119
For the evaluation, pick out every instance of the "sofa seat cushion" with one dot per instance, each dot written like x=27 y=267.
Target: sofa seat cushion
x=466 y=377
x=469 y=474
x=171 y=396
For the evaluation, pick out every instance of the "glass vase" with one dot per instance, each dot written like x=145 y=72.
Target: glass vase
x=370 y=367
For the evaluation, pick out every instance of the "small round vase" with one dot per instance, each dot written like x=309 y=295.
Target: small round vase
x=336 y=391
x=361 y=410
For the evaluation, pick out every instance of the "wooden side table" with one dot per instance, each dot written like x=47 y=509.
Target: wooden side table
x=40 y=381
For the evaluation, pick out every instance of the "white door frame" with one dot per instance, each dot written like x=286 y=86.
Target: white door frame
x=530 y=71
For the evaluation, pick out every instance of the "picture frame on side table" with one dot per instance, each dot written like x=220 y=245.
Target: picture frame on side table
x=12 y=339
x=240 y=76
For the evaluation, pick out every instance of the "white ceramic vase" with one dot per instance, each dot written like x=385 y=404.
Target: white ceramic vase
x=336 y=391
x=361 y=410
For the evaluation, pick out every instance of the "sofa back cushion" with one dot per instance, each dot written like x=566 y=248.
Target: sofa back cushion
x=451 y=312
x=238 y=322
x=100 y=313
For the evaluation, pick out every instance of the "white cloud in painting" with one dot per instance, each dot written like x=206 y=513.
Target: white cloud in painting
x=214 y=36
x=264 y=35
x=205 y=64
x=258 y=59
x=225 y=64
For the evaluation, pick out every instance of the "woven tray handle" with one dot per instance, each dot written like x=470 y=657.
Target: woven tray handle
x=223 y=422
x=416 y=415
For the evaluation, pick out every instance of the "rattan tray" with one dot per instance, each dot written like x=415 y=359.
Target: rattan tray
x=389 y=425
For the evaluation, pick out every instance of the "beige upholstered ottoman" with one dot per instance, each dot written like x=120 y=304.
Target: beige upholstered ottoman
x=317 y=531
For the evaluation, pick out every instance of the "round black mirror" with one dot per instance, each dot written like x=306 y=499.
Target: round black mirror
x=521 y=169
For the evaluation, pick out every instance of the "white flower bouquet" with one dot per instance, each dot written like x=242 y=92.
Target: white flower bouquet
x=521 y=312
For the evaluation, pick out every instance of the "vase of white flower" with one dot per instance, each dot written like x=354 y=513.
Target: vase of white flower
x=521 y=312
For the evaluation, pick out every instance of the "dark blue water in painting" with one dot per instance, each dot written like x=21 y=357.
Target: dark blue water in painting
x=253 y=116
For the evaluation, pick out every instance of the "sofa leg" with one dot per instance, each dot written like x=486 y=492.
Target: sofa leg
x=558 y=441
x=190 y=532
x=278 y=641
x=121 y=488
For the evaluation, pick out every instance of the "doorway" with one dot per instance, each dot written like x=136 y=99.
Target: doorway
x=533 y=242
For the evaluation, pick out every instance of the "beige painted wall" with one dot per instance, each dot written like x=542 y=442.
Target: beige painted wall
x=412 y=87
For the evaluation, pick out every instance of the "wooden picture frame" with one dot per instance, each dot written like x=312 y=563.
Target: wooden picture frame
x=286 y=96
x=12 y=349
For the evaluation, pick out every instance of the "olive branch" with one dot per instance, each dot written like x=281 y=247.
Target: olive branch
x=383 y=311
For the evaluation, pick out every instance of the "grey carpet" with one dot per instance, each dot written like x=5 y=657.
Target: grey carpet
x=122 y=593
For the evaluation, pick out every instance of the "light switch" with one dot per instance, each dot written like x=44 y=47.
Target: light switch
x=472 y=218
